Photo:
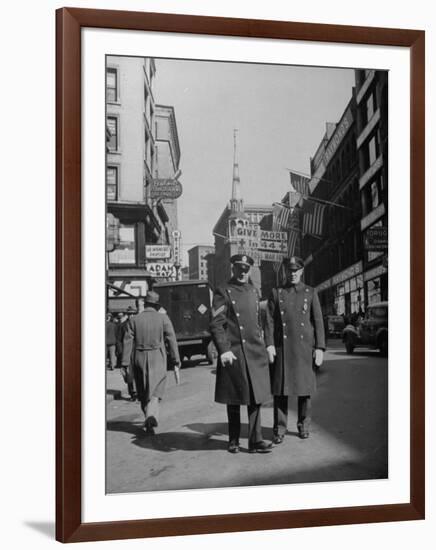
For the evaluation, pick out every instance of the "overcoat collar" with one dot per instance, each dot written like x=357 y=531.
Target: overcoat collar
x=298 y=287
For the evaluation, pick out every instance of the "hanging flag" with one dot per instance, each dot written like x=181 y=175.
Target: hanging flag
x=300 y=183
x=292 y=242
x=313 y=218
x=280 y=217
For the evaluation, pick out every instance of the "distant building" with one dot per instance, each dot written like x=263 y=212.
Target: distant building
x=185 y=273
x=198 y=261
x=235 y=229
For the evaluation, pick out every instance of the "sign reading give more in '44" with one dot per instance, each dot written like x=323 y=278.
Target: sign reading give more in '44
x=272 y=245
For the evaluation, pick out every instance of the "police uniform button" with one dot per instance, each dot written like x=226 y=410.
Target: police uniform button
x=238 y=314
x=233 y=302
x=243 y=341
x=302 y=324
x=301 y=336
x=307 y=290
x=241 y=327
x=284 y=336
x=284 y=324
x=282 y=312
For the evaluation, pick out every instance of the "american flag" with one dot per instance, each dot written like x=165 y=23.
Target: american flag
x=292 y=242
x=280 y=217
x=300 y=183
x=313 y=218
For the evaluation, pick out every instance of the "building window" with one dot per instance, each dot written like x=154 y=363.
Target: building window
x=112 y=124
x=112 y=183
x=372 y=150
x=111 y=85
x=370 y=106
x=374 y=194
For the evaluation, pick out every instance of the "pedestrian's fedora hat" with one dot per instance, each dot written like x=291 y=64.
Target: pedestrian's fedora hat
x=242 y=259
x=152 y=298
x=294 y=263
x=130 y=310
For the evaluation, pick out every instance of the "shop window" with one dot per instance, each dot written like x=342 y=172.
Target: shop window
x=125 y=253
x=374 y=291
x=111 y=85
x=112 y=183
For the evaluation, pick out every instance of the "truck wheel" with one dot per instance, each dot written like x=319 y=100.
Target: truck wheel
x=349 y=344
x=383 y=345
x=210 y=353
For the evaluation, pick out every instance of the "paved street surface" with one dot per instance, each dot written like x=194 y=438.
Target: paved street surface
x=348 y=439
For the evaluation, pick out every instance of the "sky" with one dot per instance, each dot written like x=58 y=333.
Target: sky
x=280 y=113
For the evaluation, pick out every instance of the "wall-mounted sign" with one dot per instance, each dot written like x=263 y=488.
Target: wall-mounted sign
x=376 y=238
x=161 y=269
x=157 y=251
x=165 y=188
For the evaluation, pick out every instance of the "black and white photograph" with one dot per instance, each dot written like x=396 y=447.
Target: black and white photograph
x=246 y=274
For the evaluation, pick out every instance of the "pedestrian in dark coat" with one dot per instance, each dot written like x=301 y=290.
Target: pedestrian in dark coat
x=126 y=372
x=295 y=339
x=148 y=332
x=111 y=341
x=242 y=372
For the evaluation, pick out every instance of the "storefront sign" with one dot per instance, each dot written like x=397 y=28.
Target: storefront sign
x=351 y=271
x=161 y=269
x=376 y=238
x=157 y=251
x=341 y=130
x=165 y=189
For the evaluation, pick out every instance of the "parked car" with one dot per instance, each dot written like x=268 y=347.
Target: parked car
x=334 y=325
x=188 y=305
x=371 y=331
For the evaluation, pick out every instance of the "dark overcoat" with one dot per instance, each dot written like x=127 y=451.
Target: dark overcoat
x=146 y=335
x=294 y=325
x=235 y=326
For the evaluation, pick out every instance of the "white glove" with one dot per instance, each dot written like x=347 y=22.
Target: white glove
x=318 y=355
x=177 y=373
x=271 y=350
x=227 y=358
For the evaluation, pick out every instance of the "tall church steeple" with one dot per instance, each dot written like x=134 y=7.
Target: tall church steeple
x=236 y=202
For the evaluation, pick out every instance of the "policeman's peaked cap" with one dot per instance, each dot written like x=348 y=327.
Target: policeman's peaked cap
x=242 y=259
x=294 y=263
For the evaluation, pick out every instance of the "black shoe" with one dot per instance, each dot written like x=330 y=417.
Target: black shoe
x=302 y=433
x=151 y=421
x=277 y=439
x=132 y=398
x=260 y=447
x=233 y=447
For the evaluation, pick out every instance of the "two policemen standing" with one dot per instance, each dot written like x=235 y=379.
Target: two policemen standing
x=242 y=371
x=295 y=340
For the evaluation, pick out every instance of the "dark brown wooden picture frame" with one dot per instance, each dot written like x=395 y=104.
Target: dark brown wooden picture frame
x=69 y=525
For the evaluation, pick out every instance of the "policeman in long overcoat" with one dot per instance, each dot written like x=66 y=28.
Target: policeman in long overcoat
x=294 y=335
x=146 y=335
x=242 y=372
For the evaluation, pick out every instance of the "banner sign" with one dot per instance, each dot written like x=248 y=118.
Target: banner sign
x=165 y=189
x=161 y=269
x=273 y=235
x=157 y=251
x=269 y=256
x=376 y=238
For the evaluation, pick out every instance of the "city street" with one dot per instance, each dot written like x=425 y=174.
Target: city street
x=348 y=439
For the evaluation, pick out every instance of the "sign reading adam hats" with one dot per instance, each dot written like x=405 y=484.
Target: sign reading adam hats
x=164 y=188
